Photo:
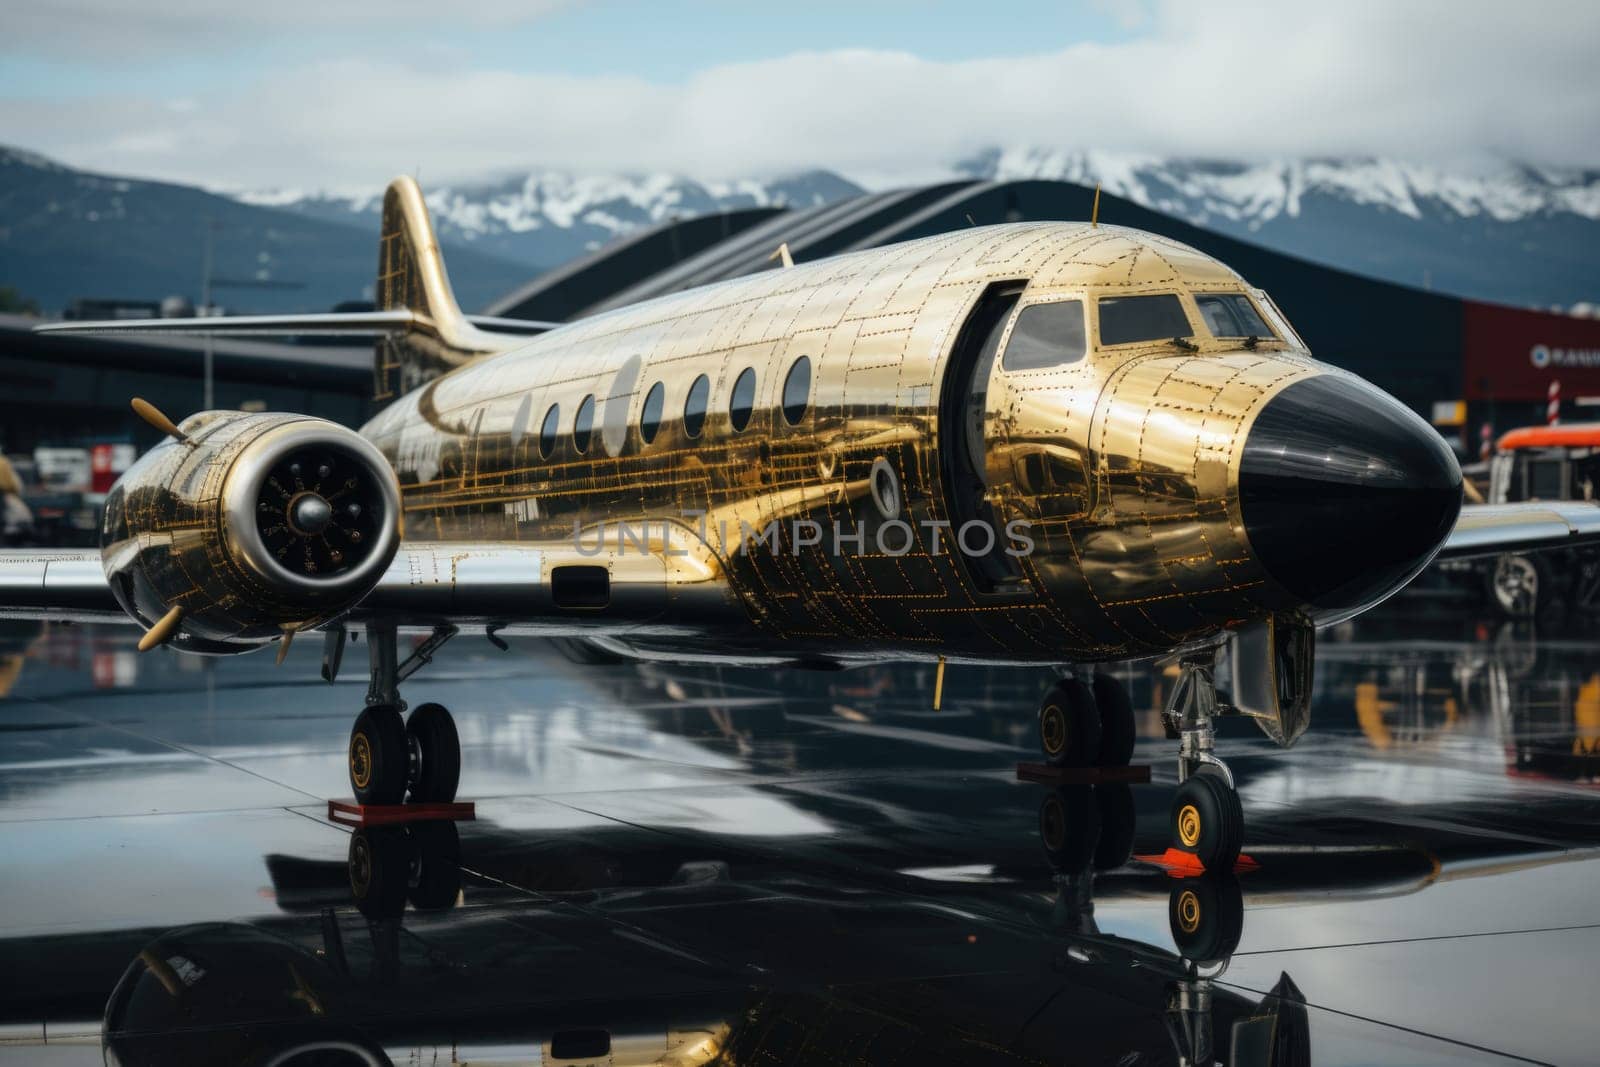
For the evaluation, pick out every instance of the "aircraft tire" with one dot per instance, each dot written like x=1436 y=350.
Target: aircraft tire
x=1069 y=827
x=1118 y=820
x=380 y=863
x=432 y=732
x=1520 y=584
x=437 y=879
x=1116 y=722
x=378 y=760
x=1207 y=917
x=1069 y=725
x=1208 y=820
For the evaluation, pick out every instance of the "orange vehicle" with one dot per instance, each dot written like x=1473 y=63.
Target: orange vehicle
x=1560 y=462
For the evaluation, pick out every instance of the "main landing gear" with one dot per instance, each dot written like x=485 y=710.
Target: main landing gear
x=1089 y=724
x=1086 y=724
x=390 y=756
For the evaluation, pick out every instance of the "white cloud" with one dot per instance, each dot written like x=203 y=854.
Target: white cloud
x=1240 y=78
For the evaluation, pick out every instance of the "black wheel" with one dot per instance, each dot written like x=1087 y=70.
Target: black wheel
x=435 y=880
x=379 y=762
x=1118 y=819
x=1069 y=826
x=380 y=869
x=1520 y=586
x=1116 y=721
x=1069 y=726
x=1207 y=917
x=1207 y=820
x=431 y=733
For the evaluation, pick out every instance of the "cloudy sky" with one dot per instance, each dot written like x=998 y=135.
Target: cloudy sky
x=341 y=95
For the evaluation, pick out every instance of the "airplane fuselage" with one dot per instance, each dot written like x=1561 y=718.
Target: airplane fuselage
x=1113 y=479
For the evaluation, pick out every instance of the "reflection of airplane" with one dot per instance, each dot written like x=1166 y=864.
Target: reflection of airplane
x=732 y=961
x=591 y=926
x=1542 y=706
x=1040 y=443
x=15 y=640
x=548 y=982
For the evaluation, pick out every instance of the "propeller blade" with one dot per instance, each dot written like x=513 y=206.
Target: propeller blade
x=163 y=631
x=152 y=414
x=284 y=643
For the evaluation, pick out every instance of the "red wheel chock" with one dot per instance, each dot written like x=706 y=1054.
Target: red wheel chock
x=1044 y=774
x=349 y=813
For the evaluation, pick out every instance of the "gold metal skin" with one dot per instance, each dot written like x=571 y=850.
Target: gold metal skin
x=181 y=545
x=1124 y=464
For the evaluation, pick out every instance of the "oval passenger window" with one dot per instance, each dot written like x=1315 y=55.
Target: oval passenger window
x=583 y=425
x=742 y=401
x=547 y=432
x=650 y=414
x=694 y=406
x=797 y=391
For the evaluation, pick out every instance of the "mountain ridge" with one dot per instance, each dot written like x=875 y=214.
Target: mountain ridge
x=68 y=233
x=1510 y=233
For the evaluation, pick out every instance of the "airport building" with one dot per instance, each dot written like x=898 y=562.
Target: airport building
x=1465 y=364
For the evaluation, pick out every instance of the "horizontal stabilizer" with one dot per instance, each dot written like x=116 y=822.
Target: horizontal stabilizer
x=350 y=323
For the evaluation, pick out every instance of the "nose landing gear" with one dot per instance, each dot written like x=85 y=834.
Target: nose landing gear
x=1207 y=820
x=389 y=757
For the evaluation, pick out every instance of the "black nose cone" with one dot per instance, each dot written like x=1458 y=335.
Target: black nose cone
x=1346 y=492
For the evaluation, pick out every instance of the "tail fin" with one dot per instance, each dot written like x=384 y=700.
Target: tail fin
x=411 y=277
x=420 y=328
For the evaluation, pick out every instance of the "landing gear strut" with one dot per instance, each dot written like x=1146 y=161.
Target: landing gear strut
x=1207 y=819
x=388 y=755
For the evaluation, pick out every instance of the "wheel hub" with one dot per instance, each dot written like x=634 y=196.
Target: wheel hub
x=1188 y=911
x=1516 y=583
x=1189 y=825
x=360 y=868
x=360 y=761
x=413 y=759
x=1053 y=729
x=1053 y=824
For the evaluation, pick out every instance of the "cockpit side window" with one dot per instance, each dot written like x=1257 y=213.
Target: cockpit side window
x=1128 y=320
x=1231 y=315
x=1046 y=335
x=1274 y=314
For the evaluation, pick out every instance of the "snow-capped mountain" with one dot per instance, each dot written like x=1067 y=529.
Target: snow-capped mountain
x=67 y=233
x=1510 y=233
x=1513 y=233
x=1252 y=194
x=549 y=216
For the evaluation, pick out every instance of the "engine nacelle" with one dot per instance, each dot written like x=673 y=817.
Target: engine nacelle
x=254 y=525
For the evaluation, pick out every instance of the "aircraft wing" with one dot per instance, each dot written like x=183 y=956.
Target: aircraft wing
x=1490 y=529
x=58 y=585
x=337 y=323
x=547 y=589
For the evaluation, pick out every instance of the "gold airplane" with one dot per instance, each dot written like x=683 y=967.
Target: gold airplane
x=1057 y=443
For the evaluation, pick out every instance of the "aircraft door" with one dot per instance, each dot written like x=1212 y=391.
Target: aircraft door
x=1044 y=391
x=963 y=416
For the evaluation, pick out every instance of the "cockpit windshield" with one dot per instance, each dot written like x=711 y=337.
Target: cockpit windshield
x=1129 y=319
x=1232 y=315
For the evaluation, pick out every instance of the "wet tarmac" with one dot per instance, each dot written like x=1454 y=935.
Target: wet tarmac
x=678 y=865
